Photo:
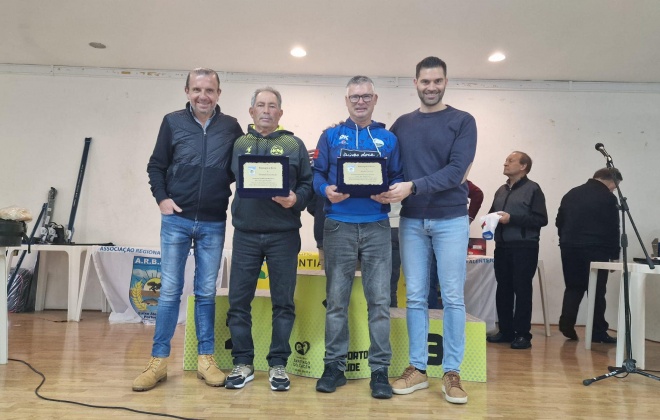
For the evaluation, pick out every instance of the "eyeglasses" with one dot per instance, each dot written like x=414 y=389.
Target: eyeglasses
x=356 y=98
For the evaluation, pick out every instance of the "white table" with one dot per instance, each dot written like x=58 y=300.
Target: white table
x=77 y=280
x=637 y=287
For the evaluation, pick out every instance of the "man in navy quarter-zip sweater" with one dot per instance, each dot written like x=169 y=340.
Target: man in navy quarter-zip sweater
x=356 y=228
x=190 y=177
x=438 y=144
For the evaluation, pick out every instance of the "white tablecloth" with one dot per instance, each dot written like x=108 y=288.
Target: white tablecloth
x=480 y=287
x=119 y=267
x=129 y=275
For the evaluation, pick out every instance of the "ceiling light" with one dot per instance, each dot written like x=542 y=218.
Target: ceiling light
x=496 y=57
x=298 y=52
x=97 y=45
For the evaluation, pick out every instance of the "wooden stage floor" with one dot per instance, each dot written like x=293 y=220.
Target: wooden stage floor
x=95 y=362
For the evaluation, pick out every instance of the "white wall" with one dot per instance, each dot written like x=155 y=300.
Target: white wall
x=44 y=119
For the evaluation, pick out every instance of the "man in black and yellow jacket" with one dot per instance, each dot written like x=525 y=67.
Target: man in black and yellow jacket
x=266 y=228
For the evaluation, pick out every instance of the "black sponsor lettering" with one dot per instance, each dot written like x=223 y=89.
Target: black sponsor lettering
x=354 y=355
x=353 y=367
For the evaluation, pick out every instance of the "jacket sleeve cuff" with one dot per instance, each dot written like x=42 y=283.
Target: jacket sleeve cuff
x=160 y=196
x=420 y=186
x=298 y=206
x=322 y=189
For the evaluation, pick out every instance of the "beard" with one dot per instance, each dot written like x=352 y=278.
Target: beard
x=433 y=102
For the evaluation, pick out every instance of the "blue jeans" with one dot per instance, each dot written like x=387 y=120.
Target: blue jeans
x=434 y=286
x=280 y=249
x=448 y=239
x=177 y=234
x=344 y=244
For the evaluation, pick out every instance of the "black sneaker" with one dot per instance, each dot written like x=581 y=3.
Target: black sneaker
x=499 y=338
x=603 y=338
x=332 y=378
x=279 y=380
x=569 y=332
x=380 y=385
x=521 y=343
x=239 y=376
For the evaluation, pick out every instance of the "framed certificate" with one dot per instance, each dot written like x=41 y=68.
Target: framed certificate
x=362 y=176
x=262 y=176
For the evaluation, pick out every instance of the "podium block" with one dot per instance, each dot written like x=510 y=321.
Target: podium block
x=308 y=335
x=473 y=368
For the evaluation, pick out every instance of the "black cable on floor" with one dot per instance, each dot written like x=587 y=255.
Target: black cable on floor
x=43 y=381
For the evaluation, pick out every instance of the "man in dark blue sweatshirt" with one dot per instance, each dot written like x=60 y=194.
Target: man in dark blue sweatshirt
x=438 y=143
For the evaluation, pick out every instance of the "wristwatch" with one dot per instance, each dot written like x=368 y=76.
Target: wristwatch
x=413 y=189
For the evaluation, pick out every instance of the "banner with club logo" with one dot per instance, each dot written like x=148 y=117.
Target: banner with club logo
x=308 y=336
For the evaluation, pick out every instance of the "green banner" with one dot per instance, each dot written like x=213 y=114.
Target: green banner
x=308 y=335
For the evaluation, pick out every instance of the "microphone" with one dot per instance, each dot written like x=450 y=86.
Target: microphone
x=601 y=148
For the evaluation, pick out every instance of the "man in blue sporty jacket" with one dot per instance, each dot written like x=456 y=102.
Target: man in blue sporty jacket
x=356 y=228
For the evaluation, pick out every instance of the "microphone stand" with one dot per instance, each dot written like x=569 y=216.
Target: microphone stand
x=629 y=364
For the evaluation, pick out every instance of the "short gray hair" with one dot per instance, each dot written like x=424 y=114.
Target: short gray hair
x=360 y=80
x=608 y=174
x=267 y=89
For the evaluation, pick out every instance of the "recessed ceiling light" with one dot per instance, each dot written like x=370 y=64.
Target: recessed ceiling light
x=298 y=52
x=97 y=45
x=496 y=57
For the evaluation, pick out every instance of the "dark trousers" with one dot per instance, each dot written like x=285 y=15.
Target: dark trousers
x=575 y=263
x=280 y=249
x=396 y=267
x=514 y=272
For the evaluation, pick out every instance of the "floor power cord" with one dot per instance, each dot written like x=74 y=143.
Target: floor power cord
x=43 y=381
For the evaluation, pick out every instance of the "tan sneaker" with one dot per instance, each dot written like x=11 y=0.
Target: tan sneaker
x=155 y=372
x=208 y=370
x=451 y=386
x=411 y=380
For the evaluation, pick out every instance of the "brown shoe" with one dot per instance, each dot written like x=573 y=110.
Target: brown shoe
x=451 y=386
x=156 y=371
x=208 y=370
x=411 y=380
